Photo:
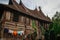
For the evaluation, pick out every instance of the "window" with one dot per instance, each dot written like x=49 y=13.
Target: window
x=22 y=19
x=15 y=17
x=1 y=14
x=36 y=23
x=27 y=21
x=19 y=18
x=41 y=24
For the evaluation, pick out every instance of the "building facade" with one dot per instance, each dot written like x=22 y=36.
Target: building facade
x=17 y=21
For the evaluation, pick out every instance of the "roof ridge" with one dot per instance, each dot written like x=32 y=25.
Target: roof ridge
x=24 y=6
x=14 y=2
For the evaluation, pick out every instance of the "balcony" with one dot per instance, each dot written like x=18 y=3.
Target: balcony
x=13 y=25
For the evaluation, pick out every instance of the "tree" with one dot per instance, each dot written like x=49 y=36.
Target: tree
x=55 y=25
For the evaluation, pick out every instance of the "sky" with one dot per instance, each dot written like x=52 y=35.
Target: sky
x=48 y=7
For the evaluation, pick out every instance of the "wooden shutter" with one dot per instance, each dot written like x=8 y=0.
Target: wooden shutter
x=8 y=14
x=27 y=21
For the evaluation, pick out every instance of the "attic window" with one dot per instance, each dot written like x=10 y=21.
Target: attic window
x=15 y=17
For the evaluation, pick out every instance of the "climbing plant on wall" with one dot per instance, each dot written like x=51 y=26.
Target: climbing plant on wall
x=34 y=25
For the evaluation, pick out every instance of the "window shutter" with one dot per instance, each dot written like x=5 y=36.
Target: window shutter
x=8 y=14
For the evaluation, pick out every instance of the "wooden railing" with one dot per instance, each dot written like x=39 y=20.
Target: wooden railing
x=12 y=25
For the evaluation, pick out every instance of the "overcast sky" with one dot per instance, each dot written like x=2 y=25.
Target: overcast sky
x=49 y=7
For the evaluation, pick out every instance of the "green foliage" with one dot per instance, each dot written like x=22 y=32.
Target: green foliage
x=34 y=35
x=56 y=23
x=34 y=25
x=43 y=30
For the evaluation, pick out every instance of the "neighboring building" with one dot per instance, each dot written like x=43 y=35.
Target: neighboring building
x=16 y=17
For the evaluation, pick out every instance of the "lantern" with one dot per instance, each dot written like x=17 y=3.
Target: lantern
x=6 y=30
x=19 y=32
x=15 y=33
x=10 y=31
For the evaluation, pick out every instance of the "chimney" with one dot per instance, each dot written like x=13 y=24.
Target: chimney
x=11 y=2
